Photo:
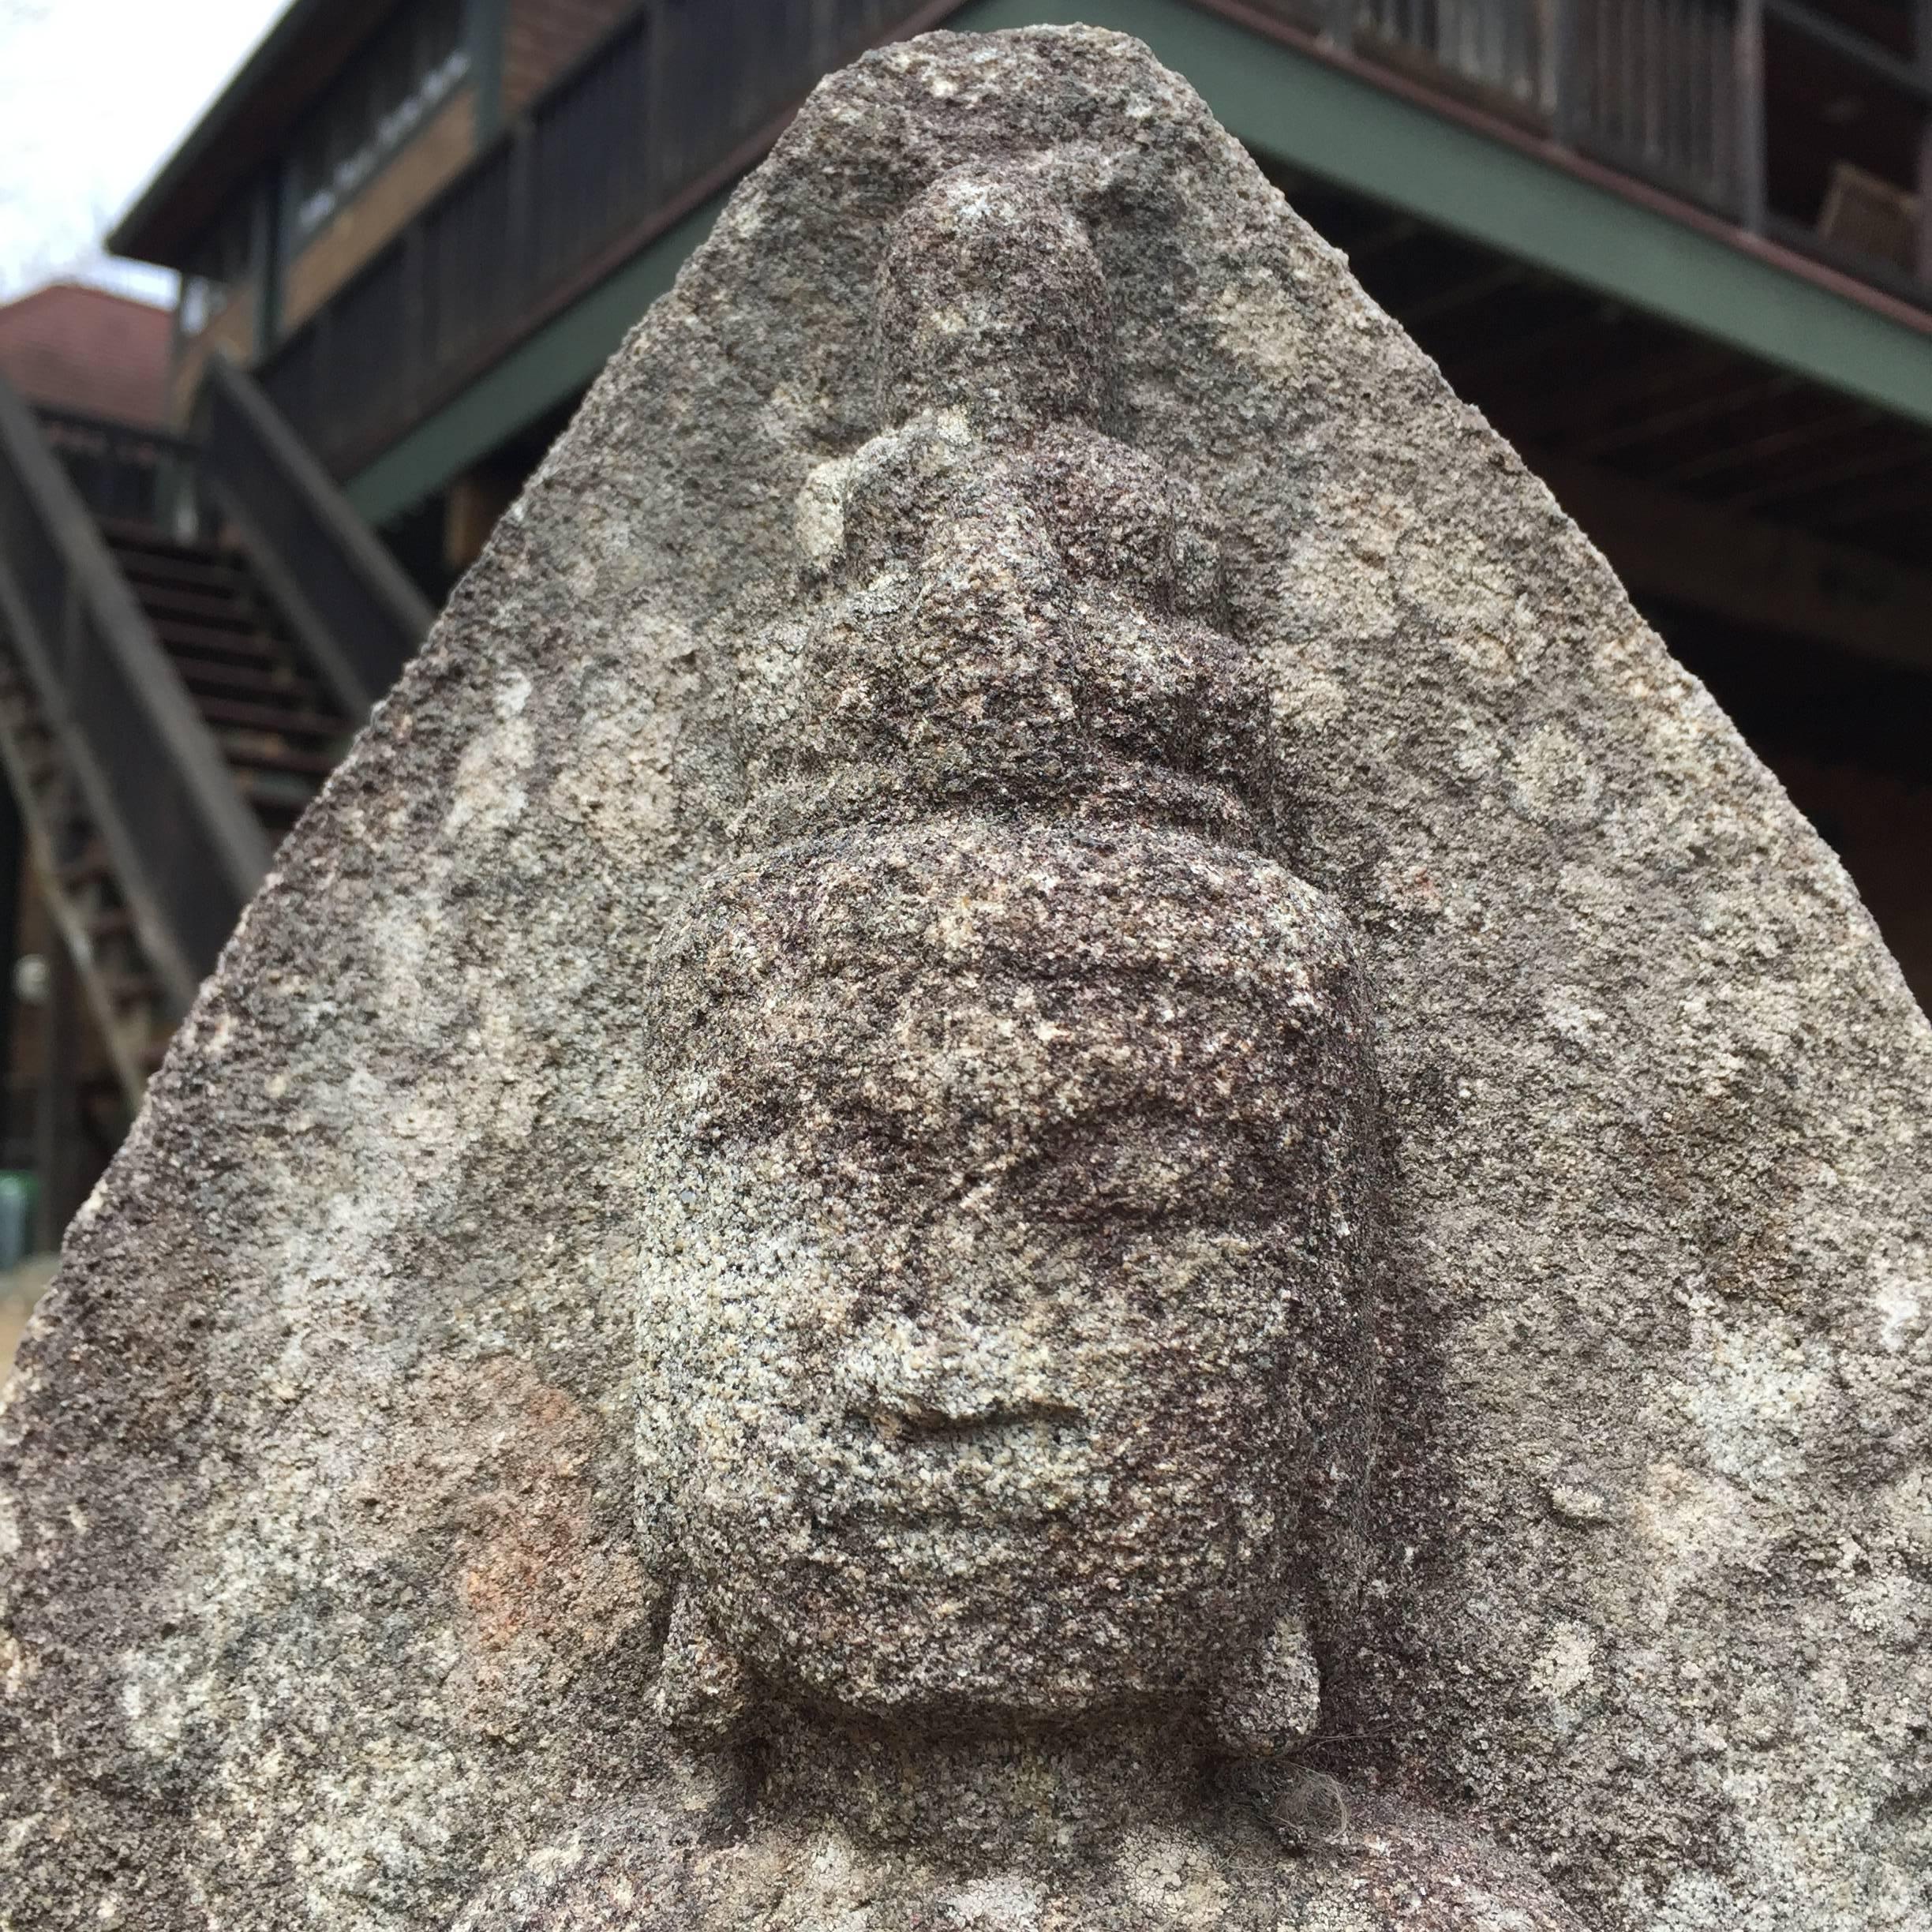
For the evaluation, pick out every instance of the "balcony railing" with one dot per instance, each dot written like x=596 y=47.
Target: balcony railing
x=124 y=472
x=1671 y=93
x=1648 y=86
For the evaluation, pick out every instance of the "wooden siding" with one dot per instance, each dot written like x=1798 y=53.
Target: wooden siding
x=542 y=37
x=413 y=177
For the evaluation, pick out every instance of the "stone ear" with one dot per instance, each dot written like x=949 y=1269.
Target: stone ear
x=702 y=1693
x=1271 y=1701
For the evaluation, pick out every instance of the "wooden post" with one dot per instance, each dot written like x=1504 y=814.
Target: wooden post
x=484 y=29
x=1566 y=96
x=319 y=408
x=518 y=276
x=416 y=350
x=1923 y=50
x=265 y=257
x=12 y=839
x=1748 y=66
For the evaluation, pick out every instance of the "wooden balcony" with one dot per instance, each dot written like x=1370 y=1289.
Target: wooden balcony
x=1795 y=130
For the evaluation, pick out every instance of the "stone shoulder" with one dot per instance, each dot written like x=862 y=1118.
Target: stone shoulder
x=650 y=1868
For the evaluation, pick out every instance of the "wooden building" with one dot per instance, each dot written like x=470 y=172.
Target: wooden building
x=72 y=347
x=1679 y=250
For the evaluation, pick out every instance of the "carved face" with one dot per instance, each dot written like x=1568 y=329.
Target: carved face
x=1001 y=1313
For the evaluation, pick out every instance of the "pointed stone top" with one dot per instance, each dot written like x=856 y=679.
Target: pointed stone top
x=338 y=1582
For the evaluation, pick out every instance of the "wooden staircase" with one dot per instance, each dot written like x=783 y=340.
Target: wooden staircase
x=191 y=630
x=279 y=729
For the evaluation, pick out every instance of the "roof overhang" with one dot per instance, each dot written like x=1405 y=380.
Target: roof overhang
x=248 y=122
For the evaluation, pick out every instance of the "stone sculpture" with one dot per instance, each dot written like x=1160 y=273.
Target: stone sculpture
x=1004 y=1337
x=1013 y=1165
x=1043 y=1137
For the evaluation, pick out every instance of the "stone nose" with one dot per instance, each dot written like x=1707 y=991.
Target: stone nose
x=956 y=1375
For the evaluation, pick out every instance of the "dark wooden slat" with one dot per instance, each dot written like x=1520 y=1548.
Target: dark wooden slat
x=214 y=577
x=137 y=538
x=236 y=647
x=213 y=609
x=204 y=676
x=1667 y=415
x=1798 y=440
x=1606 y=394
x=115 y=922
x=1828 y=478
x=302 y=723
x=252 y=758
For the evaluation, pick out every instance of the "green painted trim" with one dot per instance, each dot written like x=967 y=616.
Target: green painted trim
x=563 y=357
x=1310 y=114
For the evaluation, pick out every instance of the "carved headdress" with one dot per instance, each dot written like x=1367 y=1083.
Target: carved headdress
x=1007 y=1047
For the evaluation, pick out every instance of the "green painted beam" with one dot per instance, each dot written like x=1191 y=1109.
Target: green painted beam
x=1310 y=115
x=562 y=358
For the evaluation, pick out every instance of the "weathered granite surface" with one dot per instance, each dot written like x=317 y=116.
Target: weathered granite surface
x=1023 y=753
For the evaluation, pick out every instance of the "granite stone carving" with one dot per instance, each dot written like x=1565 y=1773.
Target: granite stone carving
x=1005 y=1326
x=1044 y=1138
x=1002 y=1328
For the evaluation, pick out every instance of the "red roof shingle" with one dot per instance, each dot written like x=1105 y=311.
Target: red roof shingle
x=85 y=349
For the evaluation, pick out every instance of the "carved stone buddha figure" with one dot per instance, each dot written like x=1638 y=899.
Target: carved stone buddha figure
x=1005 y=1324
x=1001 y=1356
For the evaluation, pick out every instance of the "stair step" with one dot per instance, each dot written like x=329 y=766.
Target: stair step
x=256 y=757
x=122 y=534
x=302 y=723
x=91 y=868
x=248 y=646
x=110 y=922
x=192 y=573
x=171 y=604
x=201 y=675
x=126 y=990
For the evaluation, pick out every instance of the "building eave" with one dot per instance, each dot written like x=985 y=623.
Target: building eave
x=248 y=122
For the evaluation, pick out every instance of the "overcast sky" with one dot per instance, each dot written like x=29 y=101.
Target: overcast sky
x=94 y=94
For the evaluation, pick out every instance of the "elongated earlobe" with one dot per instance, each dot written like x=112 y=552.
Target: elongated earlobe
x=1272 y=1702
x=702 y=1696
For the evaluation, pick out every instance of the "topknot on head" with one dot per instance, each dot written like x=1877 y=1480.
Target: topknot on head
x=992 y=302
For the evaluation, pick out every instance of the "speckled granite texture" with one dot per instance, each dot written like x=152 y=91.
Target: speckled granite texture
x=1044 y=1139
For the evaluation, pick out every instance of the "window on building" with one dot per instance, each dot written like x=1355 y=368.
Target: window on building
x=385 y=95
